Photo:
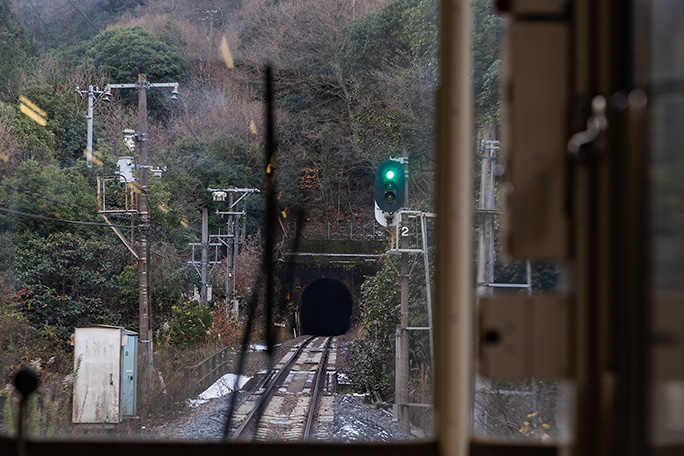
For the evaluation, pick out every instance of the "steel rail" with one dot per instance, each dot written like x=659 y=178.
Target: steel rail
x=320 y=380
x=268 y=392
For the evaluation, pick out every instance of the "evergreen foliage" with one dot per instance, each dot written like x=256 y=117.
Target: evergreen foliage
x=487 y=52
x=342 y=107
x=374 y=353
x=67 y=281
x=15 y=51
x=46 y=191
x=62 y=140
x=190 y=325
x=123 y=53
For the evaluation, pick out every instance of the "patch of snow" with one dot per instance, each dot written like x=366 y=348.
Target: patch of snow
x=259 y=347
x=343 y=379
x=221 y=387
x=356 y=421
x=348 y=430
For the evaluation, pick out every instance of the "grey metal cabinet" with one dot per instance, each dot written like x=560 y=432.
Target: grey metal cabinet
x=105 y=374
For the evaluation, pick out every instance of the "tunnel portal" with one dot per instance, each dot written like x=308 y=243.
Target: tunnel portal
x=326 y=308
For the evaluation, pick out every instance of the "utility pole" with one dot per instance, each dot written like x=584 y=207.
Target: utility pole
x=230 y=258
x=146 y=350
x=403 y=372
x=93 y=95
x=232 y=231
x=402 y=375
x=391 y=197
x=205 y=257
x=487 y=213
x=140 y=137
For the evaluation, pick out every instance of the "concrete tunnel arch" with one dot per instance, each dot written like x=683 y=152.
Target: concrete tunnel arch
x=326 y=308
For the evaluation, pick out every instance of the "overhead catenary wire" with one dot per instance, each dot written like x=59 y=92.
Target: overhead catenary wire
x=89 y=22
x=27 y=57
x=40 y=18
x=38 y=195
x=55 y=219
x=45 y=217
x=21 y=50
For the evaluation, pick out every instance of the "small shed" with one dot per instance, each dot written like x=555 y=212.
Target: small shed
x=105 y=374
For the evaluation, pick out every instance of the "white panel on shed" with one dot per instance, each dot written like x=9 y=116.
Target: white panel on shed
x=526 y=336
x=97 y=365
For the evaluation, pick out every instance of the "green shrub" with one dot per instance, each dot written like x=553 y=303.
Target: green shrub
x=190 y=325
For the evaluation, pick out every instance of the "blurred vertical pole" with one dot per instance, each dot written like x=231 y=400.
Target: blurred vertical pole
x=454 y=347
x=271 y=217
x=485 y=263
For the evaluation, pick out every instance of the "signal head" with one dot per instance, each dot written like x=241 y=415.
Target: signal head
x=390 y=186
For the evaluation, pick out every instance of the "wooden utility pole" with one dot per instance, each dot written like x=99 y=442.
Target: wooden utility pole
x=230 y=257
x=143 y=208
x=145 y=351
x=487 y=213
x=231 y=238
x=402 y=374
x=204 y=266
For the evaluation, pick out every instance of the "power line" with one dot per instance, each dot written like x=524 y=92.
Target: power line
x=55 y=219
x=28 y=58
x=38 y=195
x=88 y=20
x=39 y=17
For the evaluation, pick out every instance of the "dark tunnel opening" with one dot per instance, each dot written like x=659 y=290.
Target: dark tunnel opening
x=326 y=308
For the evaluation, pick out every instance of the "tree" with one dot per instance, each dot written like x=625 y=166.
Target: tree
x=190 y=325
x=56 y=22
x=66 y=280
x=124 y=53
x=15 y=49
x=487 y=47
x=390 y=59
x=171 y=279
x=352 y=90
x=50 y=192
x=373 y=354
x=375 y=42
x=63 y=137
x=9 y=142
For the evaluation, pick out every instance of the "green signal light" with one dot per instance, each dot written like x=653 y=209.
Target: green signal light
x=390 y=186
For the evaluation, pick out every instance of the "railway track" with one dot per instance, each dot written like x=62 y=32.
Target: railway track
x=295 y=402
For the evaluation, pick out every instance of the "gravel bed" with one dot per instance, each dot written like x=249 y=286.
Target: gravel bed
x=354 y=421
x=205 y=422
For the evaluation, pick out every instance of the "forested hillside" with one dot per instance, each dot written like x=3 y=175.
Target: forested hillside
x=354 y=85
